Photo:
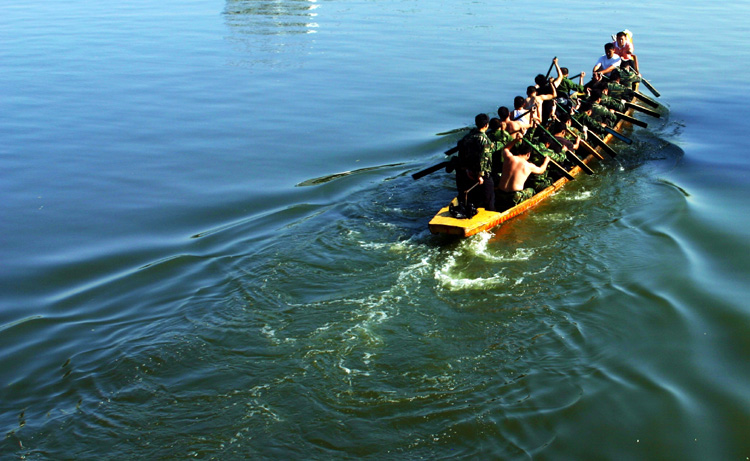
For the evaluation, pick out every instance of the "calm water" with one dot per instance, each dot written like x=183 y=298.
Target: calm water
x=212 y=246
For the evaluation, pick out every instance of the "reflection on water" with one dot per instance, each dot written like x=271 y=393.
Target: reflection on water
x=269 y=27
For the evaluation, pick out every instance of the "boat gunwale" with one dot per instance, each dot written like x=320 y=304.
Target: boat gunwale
x=490 y=219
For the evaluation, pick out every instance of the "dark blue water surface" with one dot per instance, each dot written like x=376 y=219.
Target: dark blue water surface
x=212 y=247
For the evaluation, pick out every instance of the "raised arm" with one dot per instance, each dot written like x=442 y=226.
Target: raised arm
x=541 y=168
x=559 y=78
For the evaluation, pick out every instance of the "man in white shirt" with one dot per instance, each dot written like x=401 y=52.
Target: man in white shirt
x=609 y=62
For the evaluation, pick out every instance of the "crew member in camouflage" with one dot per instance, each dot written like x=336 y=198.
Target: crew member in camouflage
x=599 y=112
x=584 y=118
x=564 y=84
x=628 y=75
x=500 y=137
x=539 y=151
x=476 y=166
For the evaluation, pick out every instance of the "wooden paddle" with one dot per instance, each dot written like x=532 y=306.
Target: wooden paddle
x=588 y=148
x=646 y=99
x=570 y=154
x=646 y=111
x=628 y=118
x=650 y=87
x=432 y=169
x=550 y=68
x=617 y=135
x=562 y=170
x=597 y=140
x=457 y=130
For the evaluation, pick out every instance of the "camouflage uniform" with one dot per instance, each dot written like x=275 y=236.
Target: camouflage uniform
x=592 y=124
x=567 y=85
x=628 y=77
x=466 y=174
x=541 y=181
x=501 y=138
x=507 y=200
x=619 y=91
x=602 y=114
x=612 y=103
x=485 y=160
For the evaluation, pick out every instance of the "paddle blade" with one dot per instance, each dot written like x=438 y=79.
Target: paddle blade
x=598 y=141
x=619 y=136
x=630 y=119
x=645 y=99
x=574 y=158
x=650 y=87
x=645 y=110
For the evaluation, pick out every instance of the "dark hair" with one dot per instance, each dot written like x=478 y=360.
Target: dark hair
x=530 y=90
x=545 y=138
x=564 y=70
x=585 y=106
x=540 y=79
x=609 y=46
x=481 y=120
x=625 y=64
x=563 y=116
x=621 y=34
x=614 y=75
x=518 y=102
x=495 y=123
x=595 y=95
x=557 y=127
x=522 y=149
x=503 y=112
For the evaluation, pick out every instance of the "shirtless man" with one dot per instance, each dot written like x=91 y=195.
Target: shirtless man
x=508 y=125
x=519 y=114
x=534 y=101
x=516 y=170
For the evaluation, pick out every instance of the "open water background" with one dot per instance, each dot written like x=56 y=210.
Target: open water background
x=211 y=245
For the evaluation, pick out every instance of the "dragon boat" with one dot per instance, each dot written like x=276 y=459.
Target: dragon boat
x=444 y=223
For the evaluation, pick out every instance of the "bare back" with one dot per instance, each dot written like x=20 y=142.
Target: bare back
x=516 y=170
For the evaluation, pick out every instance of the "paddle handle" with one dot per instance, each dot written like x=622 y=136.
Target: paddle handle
x=432 y=169
x=562 y=170
x=550 y=68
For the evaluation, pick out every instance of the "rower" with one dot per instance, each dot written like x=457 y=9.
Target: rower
x=628 y=75
x=564 y=84
x=542 y=151
x=606 y=64
x=610 y=102
x=534 y=101
x=599 y=111
x=511 y=126
x=584 y=118
x=475 y=166
x=500 y=137
x=518 y=111
x=558 y=130
x=547 y=86
x=616 y=89
x=516 y=170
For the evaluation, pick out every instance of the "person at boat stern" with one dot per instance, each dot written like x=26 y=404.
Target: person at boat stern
x=516 y=170
x=474 y=182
